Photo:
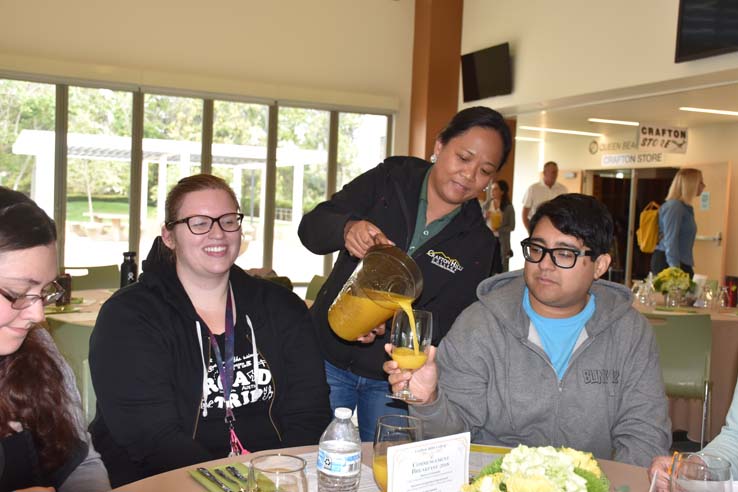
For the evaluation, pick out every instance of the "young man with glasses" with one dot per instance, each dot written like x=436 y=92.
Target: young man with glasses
x=550 y=355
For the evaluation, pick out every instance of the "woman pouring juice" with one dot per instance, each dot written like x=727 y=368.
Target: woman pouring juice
x=426 y=209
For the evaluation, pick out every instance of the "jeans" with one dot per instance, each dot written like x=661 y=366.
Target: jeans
x=658 y=263
x=368 y=396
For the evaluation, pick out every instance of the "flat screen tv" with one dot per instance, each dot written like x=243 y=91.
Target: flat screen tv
x=706 y=28
x=486 y=73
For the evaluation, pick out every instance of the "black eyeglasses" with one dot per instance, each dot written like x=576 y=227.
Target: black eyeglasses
x=561 y=257
x=49 y=295
x=202 y=224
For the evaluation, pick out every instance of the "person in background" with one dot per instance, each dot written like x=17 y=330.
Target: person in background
x=198 y=359
x=501 y=218
x=429 y=210
x=540 y=192
x=725 y=446
x=43 y=442
x=677 y=227
x=550 y=355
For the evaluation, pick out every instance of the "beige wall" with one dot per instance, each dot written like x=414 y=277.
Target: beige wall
x=568 y=52
x=348 y=52
x=581 y=52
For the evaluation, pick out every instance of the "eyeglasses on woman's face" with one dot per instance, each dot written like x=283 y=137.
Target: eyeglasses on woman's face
x=49 y=295
x=561 y=257
x=202 y=224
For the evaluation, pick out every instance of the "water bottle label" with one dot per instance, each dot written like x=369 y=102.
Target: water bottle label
x=339 y=464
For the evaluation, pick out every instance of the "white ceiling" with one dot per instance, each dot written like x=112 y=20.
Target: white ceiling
x=660 y=109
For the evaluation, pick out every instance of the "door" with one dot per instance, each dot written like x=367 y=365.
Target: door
x=711 y=215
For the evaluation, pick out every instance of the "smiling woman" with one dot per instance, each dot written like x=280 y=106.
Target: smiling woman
x=187 y=361
x=42 y=436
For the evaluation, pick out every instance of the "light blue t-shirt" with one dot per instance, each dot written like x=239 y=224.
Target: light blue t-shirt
x=559 y=335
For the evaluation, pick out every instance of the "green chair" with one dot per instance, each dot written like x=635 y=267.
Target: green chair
x=684 y=343
x=73 y=342
x=314 y=287
x=97 y=277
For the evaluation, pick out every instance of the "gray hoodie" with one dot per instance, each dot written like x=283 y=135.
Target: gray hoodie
x=497 y=382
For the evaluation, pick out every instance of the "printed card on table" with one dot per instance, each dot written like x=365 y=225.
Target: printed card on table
x=434 y=465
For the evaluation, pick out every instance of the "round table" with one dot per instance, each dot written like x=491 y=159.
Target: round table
x=625 y=478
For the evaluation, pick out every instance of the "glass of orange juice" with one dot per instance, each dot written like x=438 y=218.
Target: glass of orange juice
x=392 y=430
x=412 y=331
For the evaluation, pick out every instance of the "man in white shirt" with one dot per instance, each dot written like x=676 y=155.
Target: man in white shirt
x=543 y=191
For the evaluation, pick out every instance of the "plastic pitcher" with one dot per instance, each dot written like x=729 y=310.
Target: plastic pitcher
x=384 y=278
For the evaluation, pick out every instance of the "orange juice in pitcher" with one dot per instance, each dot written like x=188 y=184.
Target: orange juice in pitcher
x=385 y=280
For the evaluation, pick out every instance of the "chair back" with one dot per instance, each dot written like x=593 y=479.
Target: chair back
x=97 y=277
x=314 y=287
x=73 y=342
x=684 y=343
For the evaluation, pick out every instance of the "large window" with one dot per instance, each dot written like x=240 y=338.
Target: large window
x=302 y=171
x=239 y=157
x=27 y=140
x=276 y=185
x=172 y=147
x=98 y=177
x=362 y=144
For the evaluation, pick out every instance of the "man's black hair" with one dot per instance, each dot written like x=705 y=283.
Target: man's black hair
x=581 y=216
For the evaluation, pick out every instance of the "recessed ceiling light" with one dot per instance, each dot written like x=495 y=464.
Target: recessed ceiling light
x=558 y=130
x=528 y=139
x=613 y=122
x=713 y=111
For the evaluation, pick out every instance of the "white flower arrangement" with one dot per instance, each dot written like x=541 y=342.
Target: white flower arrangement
x=541 y=469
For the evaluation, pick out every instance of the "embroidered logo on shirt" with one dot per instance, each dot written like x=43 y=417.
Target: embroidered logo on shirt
x=601 y=376
x=439 y=259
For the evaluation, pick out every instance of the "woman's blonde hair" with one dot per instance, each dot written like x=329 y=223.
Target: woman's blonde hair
x=685 y=184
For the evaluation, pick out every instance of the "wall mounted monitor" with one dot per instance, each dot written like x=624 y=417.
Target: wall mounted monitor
x=706 y=28
x=486 y=73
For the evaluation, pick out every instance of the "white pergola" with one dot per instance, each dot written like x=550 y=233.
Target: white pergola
x=239 y=158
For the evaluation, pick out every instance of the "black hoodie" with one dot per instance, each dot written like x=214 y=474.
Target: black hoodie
x=453 y=262
x=147 y=369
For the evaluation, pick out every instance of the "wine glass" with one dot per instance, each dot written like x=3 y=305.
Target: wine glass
x=280 y=472
x=410 y=350
x=392 y=430
x=697 y=472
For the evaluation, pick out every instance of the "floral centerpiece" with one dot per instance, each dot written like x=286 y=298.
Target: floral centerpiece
x=672 y=278
x=541 y=469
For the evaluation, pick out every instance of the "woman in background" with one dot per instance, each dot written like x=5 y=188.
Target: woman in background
x=198 y=359
x=501 y=219
x=43 y=442
x=677 y=227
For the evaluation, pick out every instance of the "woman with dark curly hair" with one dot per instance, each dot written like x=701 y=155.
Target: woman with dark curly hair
x=43 y=442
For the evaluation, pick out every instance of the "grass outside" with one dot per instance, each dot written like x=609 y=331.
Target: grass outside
x=77 y=207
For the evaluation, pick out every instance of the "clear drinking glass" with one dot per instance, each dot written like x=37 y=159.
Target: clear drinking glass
x=281 y=472
x=404 y=343
x=696 y=472
x=724 y=299
x=392 y=430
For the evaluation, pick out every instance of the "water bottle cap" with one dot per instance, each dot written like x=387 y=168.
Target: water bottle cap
x=343 y=413
x=129 y=254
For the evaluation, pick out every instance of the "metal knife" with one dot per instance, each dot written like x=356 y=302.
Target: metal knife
x=223 y=475
x=234 y=471
x=205 y=473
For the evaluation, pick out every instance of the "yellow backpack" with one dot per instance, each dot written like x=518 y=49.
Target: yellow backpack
x=648 y=230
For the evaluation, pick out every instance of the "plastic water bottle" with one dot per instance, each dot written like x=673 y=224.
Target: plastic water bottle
x=339 y=455
x=128 y=269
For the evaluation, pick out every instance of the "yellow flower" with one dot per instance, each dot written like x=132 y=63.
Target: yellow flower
x=583 y=460
x=537 y=483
